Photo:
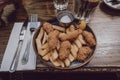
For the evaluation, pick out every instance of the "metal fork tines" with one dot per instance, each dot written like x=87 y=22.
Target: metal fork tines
x=33 y=25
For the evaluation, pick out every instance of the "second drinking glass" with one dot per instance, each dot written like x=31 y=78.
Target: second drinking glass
x=61 y=4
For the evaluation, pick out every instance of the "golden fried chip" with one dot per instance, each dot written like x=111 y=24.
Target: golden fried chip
x=78 y=43
x=43 y=52
x=73 y=52
x=59 y=28
x=75 y=47
x=44 y=38
x=40 y=35
x=54 y=62
x=38 y=43
x=68 y=30
x=72 y=28
x=54 y=55
x=71 y=58
x=44 y=46
x=46 y=57
x=67 y=62
x=61 y=63
x=80 y=37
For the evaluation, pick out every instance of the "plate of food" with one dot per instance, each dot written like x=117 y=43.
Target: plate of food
x=114 y=4
x=64 y=48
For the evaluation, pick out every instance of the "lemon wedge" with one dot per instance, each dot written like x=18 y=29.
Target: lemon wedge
x=82 y=24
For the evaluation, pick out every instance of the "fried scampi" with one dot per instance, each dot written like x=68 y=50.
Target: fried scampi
x=64 y=50
x=48 y=27
x=89 y=38
x=70 y=36
x=53 y=39
x=83 y=53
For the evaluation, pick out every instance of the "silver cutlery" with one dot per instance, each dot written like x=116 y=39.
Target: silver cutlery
x=33 y=25
x=15 y=60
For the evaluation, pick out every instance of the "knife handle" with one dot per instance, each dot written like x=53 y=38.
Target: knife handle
x=15 y=60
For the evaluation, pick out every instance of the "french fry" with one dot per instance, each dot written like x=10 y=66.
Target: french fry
x=54 y=62
x=54 y=55
x=80 y=37
x=46 y=57
x=68 y=30
x=43 y=52
x=78 y=43
x=73 y=52
x=59 y=28
x=40 y=35
x=44 y=38
x=75 y=47
x=38 y=43
x=71 y=58
x=72 y=28
x=44 y=46
x=67 y=62
x=61 y=63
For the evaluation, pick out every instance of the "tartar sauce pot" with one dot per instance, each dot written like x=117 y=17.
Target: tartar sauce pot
x=65 y=18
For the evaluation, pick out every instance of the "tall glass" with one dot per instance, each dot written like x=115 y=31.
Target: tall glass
x=61 y=4
x=84 y=8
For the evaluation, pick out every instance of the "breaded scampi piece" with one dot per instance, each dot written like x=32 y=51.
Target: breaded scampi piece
x=53 y=39
x=89 y=38
x=48 y=27
x=64 y=50
x=63 y=36
x=70 y=36
x=83 y=53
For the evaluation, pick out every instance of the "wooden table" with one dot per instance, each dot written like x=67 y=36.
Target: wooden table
x=106 y=28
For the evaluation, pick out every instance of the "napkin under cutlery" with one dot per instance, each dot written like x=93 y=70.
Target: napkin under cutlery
x=12 y=46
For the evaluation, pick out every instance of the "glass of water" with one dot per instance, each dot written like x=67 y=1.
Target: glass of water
x=61 y=4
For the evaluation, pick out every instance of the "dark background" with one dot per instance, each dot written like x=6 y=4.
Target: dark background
x=59 y=76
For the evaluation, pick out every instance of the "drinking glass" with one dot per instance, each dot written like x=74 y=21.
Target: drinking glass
x=61 y=4
x=84 y=8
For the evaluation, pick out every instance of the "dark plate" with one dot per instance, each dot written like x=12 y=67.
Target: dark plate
x=74 y=64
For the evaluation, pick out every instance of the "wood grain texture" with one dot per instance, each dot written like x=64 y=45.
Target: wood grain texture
x=107 y=30
x=45 y=9
x=105 y=27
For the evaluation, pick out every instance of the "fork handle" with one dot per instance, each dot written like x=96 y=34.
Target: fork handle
x=26 y=53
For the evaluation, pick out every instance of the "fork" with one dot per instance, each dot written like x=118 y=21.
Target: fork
x=33 y=24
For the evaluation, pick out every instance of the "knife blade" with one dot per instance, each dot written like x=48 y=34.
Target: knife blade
x=15 y=60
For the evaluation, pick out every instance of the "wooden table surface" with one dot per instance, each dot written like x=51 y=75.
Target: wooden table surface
x=105 y=27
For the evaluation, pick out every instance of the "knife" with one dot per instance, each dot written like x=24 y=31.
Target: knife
x=15 y=60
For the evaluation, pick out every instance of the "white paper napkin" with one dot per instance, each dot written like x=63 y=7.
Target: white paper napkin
x=11 y=48
x=32 y=56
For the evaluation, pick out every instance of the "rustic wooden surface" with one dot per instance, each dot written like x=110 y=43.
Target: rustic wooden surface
x=106 y=28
